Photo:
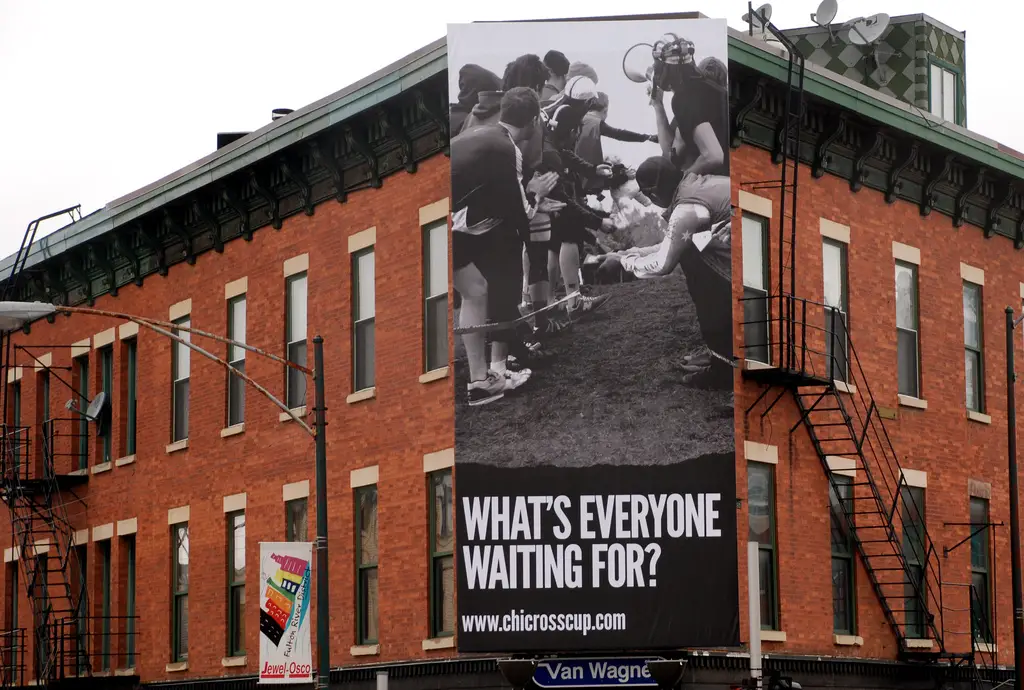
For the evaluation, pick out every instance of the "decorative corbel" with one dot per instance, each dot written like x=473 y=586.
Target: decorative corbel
x=293 y=172
x=992 y=220
x=155 y=246
x=358 y=143
x=743 y=111
x=324 y=157
x=939 y=174
x=101 y=258
x=391 y=123
x=274 y=212
x=960 y=209
x=894 y=182
x=74 y=264
x=173 y=226
x=123 y=245
x=438 y=117
x=231 y=199
x=821 y=154
x=859 y=173
x=1018 y=240
x=207 y=216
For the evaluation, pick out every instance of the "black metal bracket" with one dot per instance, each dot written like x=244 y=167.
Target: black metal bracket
x=100 y=255
x=274 y=212
x=821 y=155
x=172 y=225
x=123 y=244
x=438 y=117
x=78 y=272
x=939 y=174
x=391 y=123
x=895 y=183
x=859 y=173
x=232 y=200
x=993 y=221
x=155 y=246
x=743 y=111
x=360 y=145
x=324 y=157
x=293 y=172
x=210 y=219
x=961 y=199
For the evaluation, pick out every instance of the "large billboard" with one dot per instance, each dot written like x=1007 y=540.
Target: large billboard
x=595 y=431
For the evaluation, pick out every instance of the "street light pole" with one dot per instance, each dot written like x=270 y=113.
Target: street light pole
x=323 y=597
x=1011 y=444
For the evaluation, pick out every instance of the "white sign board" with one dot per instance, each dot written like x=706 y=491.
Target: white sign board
x=286 y=653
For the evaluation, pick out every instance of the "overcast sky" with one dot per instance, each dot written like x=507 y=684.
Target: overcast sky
x=102 y=97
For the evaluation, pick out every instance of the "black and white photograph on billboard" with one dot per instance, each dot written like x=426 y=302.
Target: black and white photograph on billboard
x=594 y=358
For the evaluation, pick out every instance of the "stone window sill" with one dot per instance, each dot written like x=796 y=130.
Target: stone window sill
x=229 y=661
x=232 y=430
x=126 y=460
x=176 y=446
x=298 y=411
x=844 y=387
x=979 y=417
x=773 y=636
x=176 y=667
x=920 y=644
x=848 y=640
x=911 y=401
x=365 y=650
x=126 y=672
x=359 y=396
x=985 y=647
x=754 y=365
x=79 y=473
x=438 y=643
x=435 y=375
x=102 y=467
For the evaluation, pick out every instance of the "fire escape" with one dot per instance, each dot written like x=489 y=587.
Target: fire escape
x=37 y=483
x=803 y=350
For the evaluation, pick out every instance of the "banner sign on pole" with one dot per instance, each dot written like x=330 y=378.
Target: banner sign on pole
x=286 y=653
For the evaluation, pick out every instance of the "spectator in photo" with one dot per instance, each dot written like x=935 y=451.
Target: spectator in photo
x=491 y=212
x=582 y=69
x=593 y=127
x=473 y=79
x=558 y=70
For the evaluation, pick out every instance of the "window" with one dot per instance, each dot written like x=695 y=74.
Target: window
x=82 y=370
x=236 y=583
x=942 y=91
x=912 y=508
x=907 y=341
x=179 y=592
x=366 y=564
x=12 y=595
x=843 y=601
x=981 y=593
x=296 y=520
x=128 y=546
x=16 y=436
x=45 y=446
x=296 y=288
x=180 y=373
x=974 y=362
x=42 y=622
x=755 y=288
x=105 y=612
x=107 y=383
x=363 y=313
x=131 y=351
x=236 y=358
x=435 y=293
x=761 y=517
x=442 y=565
x=837 y=316
x=82 y=606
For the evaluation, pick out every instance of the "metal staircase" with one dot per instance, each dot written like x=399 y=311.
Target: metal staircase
x=811 y=359
x=34 y=489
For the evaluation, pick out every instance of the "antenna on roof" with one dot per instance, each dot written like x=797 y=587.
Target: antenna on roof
x=867 y=31
x=825 y=15
x=759 y=18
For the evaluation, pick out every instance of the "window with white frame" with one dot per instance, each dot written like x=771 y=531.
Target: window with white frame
x=974 y=359
x=907 y=336
x=755 y=287
x=942 y=91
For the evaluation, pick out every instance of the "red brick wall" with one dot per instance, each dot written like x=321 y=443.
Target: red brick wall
x=407 y=419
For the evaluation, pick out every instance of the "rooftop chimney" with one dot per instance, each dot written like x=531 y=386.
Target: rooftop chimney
x=278 y=113
x=225 y=138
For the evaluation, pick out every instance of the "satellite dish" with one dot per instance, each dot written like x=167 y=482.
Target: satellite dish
x=760 y=18
x=826 y=13
x=866 y=30
x=97 y=412
x=882 y=73
x=96 y=406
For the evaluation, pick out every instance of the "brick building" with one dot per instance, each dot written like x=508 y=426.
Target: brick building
x=334 y=217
